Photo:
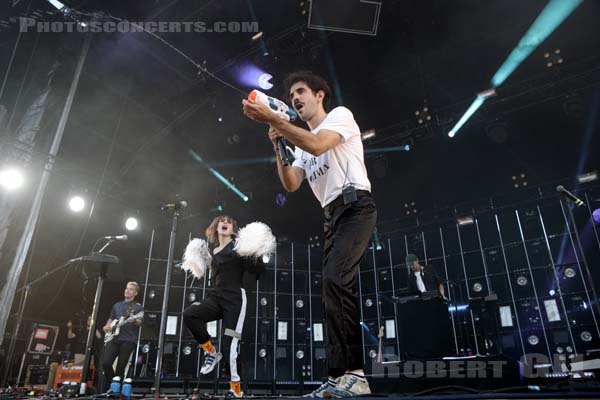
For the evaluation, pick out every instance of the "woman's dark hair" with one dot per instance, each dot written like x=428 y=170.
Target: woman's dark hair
x=211 y=232
x=312 y=80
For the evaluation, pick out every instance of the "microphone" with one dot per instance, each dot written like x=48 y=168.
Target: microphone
x=121 y=237
x=570 y=196
x=174 y=206
x=283 y=154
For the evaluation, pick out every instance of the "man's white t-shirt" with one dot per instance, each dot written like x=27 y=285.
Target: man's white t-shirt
x=340 y=165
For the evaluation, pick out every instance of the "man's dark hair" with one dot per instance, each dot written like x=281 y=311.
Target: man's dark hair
x=312 y=80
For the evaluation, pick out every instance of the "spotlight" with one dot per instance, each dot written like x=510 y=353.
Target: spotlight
x=146 y=348
x=586 y=336
x=372 y=354
x=477 y=287
x=368 y=303
x=466 y=220
x=263 y=81
x=368 y=134
x=11 y=179
x=263 y=301
x=587 y=177
x=596 y=215
x=522 y=280
x=560 y=350
x=299 y=303
x=192 y=297
x=187 y=350
x=519 y=180
x=299 y=354
x=257 y=36
x=220 y=119
x=423 y=115
x=152 y=295
x=569 y=272
x=533 y=340
x=552 y=292
x=266 y=258
x=262 y=353
x=569 y=349
x=280 y=199
x=59 y=6
x=76 y=204
x=486 y=94
x=553 y=58
x=131 y=224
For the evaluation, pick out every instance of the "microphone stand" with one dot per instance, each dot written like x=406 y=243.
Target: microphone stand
x=92 y=329
x=163 y=317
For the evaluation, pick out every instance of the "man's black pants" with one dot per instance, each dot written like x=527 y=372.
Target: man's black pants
x=348 y=229
x=112 y=350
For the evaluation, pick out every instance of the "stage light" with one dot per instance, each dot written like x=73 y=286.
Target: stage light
x=280 y=199
x=587 y=177
x=299 y=354
x=192 y=297
x=263 y=81
x=596 y=215
x=220 y=119
x=187 y=350
x=263 y=301
x=257 y=36
x=76 y=204
x=486 y=94
x=262 y=353
x=477 y=287
x=59 y=6
x=555 y=12
x=569 y=349
x=569 y=272
x=11 y=179
x=266 y=258
x=560 y=350
x=372 y=354
x=466 y=220
x=368 y=134
x=478 y=102
x=586 y=336
x=131 y=224
x=299 y=303
x=220 y=177
x=368 y=303
x=522 y=280
x=552 y=292
x=146 y=348
x=152 y=295
x=533 y=340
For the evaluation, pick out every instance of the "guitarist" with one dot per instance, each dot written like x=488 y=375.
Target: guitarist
x=122 y=346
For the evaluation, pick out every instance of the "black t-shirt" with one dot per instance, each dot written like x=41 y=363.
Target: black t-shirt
x=227 y=268
x=128 y=332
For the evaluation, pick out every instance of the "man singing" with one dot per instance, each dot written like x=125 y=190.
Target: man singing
x=330 y=156
x=420 y=280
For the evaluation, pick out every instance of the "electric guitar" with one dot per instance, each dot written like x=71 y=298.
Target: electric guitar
x=115 y=326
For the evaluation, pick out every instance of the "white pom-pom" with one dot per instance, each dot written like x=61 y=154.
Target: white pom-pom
x=196 y=258
x=255 y=240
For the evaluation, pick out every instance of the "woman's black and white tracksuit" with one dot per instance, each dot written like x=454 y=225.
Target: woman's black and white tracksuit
x=226 y=300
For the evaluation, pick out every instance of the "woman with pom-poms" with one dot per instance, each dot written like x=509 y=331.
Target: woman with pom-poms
x=233 y=253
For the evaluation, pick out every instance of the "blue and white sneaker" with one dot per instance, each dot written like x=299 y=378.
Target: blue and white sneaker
x=211 y=360
x=351 y=385
x=323 y=390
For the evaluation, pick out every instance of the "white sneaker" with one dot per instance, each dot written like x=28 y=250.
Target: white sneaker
x=211 y=360
x=323 y=390
x=351 y=385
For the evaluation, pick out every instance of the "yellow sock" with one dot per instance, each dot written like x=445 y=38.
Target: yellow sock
x=236 y=387
x=208 y=347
